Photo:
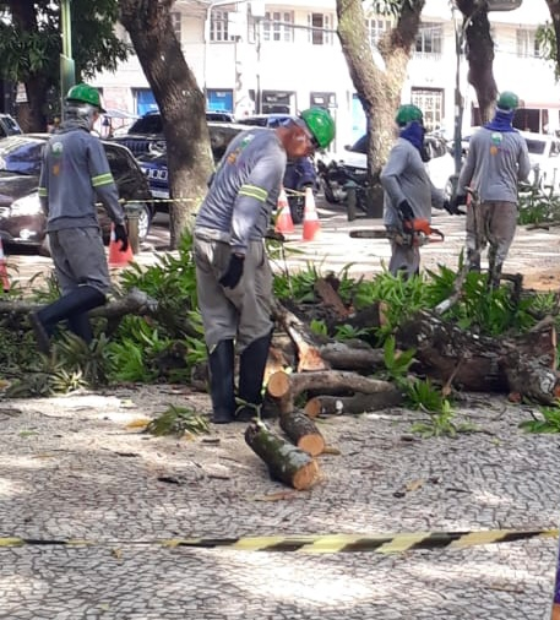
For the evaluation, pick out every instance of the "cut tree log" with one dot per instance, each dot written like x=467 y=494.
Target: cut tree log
x=134 y=302
x=285 y=462
x=341 y=356
x=372 y=316
x=481 y=363
x=331 y=298
x=287 y=387
x=357 y=404
x=303 y=432
x=309 y=357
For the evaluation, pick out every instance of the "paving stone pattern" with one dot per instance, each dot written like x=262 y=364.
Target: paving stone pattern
x=70 y=467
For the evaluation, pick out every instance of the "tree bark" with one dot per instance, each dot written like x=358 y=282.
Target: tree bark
x=285 y=462
x=554 y=8
x=181 y=102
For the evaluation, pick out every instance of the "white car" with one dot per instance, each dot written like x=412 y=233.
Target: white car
x=544 y=153
x=441 y=166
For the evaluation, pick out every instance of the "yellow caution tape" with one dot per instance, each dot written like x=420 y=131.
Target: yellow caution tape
x=329 y=543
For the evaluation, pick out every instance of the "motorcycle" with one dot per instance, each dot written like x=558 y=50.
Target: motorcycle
x=344 y=185
x=300 y=174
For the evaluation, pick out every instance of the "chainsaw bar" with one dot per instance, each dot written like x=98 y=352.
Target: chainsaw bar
x=369 y=233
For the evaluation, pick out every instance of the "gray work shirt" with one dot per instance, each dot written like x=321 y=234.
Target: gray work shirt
x=74 y=175
x=244 y=190
x=404 y=177
x=495 y=163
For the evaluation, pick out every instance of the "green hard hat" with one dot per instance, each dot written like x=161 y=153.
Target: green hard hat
x=85 y=94
x=508 y=101
x=408 y=113
x=321 y=124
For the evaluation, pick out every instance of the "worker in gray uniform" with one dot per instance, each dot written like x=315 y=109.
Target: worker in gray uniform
x=234 y=278
x=409 y=192
x=497 y=160
x=75 y=174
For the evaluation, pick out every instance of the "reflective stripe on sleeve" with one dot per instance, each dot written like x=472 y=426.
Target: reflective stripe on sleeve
x=102 y=179
x=252 y=191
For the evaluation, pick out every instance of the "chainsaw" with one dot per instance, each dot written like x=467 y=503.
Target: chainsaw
x=419 y=234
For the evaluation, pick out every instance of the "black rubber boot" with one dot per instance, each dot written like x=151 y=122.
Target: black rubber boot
x=252 y=365
x=69 y=307
x=222 y=387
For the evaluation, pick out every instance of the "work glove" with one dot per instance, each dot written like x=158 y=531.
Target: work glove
x=452 y=208
x=122 y=236
x=407 y=214
x=233 y=274
x=274 y=235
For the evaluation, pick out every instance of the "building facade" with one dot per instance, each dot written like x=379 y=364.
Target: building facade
x=256 y=57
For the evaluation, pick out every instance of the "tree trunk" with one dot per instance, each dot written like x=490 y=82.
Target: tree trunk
x=378 y=83
x=480 y=56
x=285 y=462
x=554 y=8
x=34 y=117
x=357 y=404
x=181 y=102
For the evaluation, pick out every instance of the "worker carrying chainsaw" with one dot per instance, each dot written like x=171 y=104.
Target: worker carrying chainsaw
x=409 y=194
x=497 y=160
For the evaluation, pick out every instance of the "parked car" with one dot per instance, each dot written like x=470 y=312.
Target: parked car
x=22 y=221
x=8 y=126
x=146 y=135
x=265 y=120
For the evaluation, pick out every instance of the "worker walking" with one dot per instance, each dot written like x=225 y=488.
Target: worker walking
x=497 y=160
x=75 y=173
x=234 y=278
x=409 y=192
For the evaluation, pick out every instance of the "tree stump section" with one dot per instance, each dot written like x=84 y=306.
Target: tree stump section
x=286 y=387
x=303 y=432
x=285 y=462
x=341 y=356
x=357 y=404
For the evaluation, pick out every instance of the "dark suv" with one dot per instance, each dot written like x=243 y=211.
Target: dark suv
x=146 y=134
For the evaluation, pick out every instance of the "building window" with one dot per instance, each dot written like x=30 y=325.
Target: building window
x=430 y=101
x=320 y=29
x=278 y=26
x=527 y=45
x=219 y=32
x=428 y=39
x=376 y=29
x=176 y=24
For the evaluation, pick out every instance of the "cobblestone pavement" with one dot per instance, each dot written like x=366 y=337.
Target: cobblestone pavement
x=72 y=468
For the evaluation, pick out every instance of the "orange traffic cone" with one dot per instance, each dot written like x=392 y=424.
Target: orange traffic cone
x=311 y=223
x=284 y=222
x=4 y=270
x=118 y=258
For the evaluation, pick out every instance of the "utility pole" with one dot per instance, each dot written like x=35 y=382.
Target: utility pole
x=67 y=66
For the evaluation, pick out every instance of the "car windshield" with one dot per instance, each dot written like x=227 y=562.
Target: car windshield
x=151 y=123
x=536 y=147
x=21 y=155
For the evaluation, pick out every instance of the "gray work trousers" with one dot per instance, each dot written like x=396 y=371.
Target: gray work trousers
x=405 y=259
x=490 y=224
x=243 y=313
x=79 y=259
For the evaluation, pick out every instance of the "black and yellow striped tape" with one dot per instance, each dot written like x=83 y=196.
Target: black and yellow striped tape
x=329 y=543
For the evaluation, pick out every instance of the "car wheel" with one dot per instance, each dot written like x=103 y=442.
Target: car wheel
x=144 y=219
x=329 y=194
x=45 y=247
